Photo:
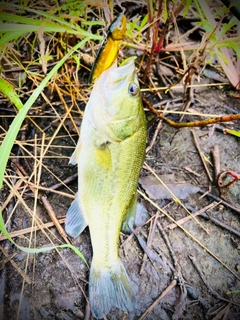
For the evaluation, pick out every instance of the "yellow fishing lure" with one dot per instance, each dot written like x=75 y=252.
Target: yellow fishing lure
x=109 y=49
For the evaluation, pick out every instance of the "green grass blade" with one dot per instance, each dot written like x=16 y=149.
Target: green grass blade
x=233 y=132
x=9 y=17
x=25 y=24
x=37 y=250
x=8 y=141
x=7 y=37
x=10 y=137
x=9 y=91
x=12 y=19
x=47 y=27
x=51 y=17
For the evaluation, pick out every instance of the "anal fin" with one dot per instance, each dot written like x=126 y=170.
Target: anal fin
x=75 y=222
x=137 y=215
x=128 y=223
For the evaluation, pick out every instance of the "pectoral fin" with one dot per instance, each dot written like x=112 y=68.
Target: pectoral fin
x=75 y=222
x=76 y=154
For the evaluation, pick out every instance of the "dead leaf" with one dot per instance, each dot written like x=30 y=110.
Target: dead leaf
x=42 y=46
x=156 y=191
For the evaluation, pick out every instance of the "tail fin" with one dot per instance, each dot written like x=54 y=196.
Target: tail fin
x=110 y=287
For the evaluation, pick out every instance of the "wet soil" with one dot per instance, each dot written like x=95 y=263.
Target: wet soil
x=53 y=285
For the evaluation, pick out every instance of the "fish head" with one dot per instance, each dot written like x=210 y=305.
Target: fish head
x=117 y=103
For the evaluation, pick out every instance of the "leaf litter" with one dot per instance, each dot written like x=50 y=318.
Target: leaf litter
x=157 y=191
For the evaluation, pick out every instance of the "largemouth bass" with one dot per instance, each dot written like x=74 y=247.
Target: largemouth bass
x=109 y=155
x=109 y=48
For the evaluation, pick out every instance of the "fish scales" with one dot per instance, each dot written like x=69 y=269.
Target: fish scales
x=109 y=155
x=117 y=201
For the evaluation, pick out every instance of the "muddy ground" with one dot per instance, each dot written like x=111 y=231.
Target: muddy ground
x=53 y=285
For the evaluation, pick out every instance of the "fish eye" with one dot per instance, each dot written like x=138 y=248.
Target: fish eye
x=133 y=89
x=120 y=25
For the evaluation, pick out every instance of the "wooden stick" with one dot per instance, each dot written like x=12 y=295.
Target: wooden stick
x=156 y=302
x=225 y=203
x=200 y=123
x=216 y=161
x=149 y=240
x=18 y=233
x=183 y=220
x=154 y=136
x=53 y=217
x=201 y=156
x=22 y=273
x=221 y=224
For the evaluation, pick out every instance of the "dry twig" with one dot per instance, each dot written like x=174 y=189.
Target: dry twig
x=215 y=294
x=216 y=161
x=226 y=204
x=221 y=224
x=200 y=123
x=22 y=273
x=149 y=241
x=201 y=156
x=183 y=220
x=53 y=217
x=18 y=233
x=156 y=302
x=154 y=136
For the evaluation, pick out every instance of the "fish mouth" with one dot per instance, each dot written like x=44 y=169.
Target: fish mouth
x=119 y=75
